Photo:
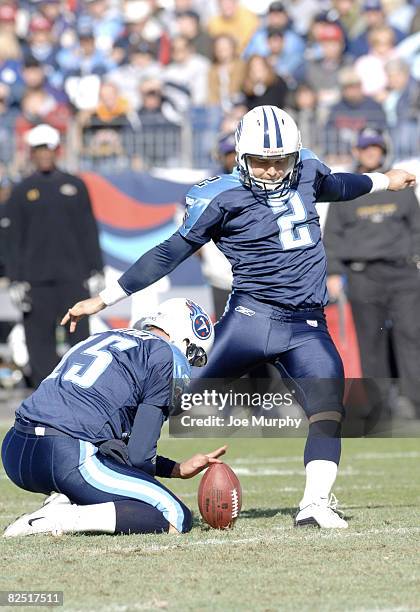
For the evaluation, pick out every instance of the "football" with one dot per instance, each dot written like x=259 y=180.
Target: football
x=220 y=496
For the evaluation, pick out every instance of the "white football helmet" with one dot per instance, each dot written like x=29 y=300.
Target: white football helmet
x=188 y=326
x=267 y=132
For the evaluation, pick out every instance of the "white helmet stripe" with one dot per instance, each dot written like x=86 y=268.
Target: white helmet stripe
x=279 y=139
x=275 y=140
x=267 y=140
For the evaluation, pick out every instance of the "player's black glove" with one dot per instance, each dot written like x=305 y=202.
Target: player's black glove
x=19 y=292
x=115 y=449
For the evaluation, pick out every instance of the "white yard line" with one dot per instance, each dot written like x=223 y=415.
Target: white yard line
x=273 y=535
x=348 y=471
x=298 y=458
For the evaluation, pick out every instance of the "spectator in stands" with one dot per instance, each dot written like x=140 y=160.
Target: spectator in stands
x=408 y=50
x=322 y=73
x=346 y=13
x=187 y=23
x=401 y=15
x=61 y=18
x=374 y=16
x=158 y=136
x=235 y=20
x=10 y=63
x=140 y=25
x=402 y=108
x=10 y=53
x=293 y=46
x=105 y=22
x=262 y=85
x=187 y=74
x=225 y=154
x=302 y=12
x=41 y=45
x=304 y=107
x=84 y=57
x=415 y=23
x=169 y=15
x=33 y=76
x=226 y=73
x=8 y=18
x=140 y=64
x=352 y=113
x=282 y=64
x=106 y=130
x=112 y=110
x=371 y=67
x=230 y=120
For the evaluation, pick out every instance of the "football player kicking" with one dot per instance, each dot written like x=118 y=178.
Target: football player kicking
x=263 y=218
x=69 y=435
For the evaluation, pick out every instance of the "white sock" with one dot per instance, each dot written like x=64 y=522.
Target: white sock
x=96 y=518
x=320 y=477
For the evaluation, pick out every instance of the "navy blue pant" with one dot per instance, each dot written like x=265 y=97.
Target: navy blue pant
x=42 y=464
x=298 y=343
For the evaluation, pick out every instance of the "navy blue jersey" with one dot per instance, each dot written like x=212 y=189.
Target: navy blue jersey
x=272 y=241
x=95 y=391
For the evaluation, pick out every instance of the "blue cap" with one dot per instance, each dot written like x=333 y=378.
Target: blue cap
x=370 y=137
x=372 y=5
x=226 y=143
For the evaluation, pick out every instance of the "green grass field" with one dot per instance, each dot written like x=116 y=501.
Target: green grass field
x=264 y=563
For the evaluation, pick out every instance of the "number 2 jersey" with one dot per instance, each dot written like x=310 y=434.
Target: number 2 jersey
x=96 y=390
x=273 y=242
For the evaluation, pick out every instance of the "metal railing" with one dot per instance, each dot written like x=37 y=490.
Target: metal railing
x=191 y=143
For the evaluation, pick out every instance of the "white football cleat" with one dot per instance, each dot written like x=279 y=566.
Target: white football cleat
x=45 y=520
x=321 y=514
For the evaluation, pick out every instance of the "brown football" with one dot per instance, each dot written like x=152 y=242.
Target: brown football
x=220 y=496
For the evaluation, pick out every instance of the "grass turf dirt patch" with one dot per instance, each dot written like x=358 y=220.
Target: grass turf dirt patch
x=264 y=563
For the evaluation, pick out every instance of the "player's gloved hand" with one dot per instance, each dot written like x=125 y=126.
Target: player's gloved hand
x=19 y=292
x=116 y=449
x=197 y=463
x=81 y=309
x=400 y=179
x=95 y=283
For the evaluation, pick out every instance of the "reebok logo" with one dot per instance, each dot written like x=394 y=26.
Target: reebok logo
x=312 y=323
x=246 y=311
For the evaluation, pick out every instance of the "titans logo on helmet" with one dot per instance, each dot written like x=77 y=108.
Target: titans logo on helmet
x=201 y=327
x=200 y=323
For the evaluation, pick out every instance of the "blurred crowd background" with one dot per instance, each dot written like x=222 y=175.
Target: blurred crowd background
x=142 y=83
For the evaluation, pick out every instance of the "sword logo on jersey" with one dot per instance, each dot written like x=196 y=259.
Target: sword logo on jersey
x=200 y=323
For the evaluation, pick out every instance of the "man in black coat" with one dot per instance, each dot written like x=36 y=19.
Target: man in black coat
x=53 y=249
x=373 y=243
